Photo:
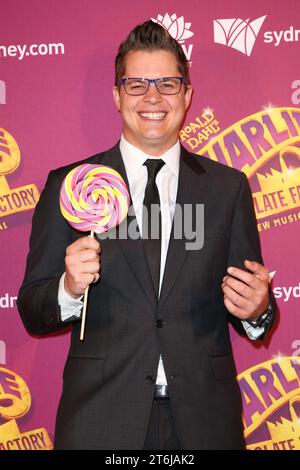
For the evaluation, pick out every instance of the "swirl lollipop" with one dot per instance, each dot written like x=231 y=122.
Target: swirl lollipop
x=93 y=198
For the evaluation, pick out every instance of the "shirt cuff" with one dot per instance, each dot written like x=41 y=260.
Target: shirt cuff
x=253 y=333
x=69 y=307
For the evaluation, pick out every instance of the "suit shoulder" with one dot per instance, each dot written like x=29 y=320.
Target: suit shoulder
x=64 y=170
x=213 y=167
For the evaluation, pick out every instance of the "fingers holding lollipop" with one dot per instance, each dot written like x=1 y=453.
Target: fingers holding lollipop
x=93 y=198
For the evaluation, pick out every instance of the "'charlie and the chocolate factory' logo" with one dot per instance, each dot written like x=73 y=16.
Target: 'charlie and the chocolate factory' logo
x=266 y=147
x=13 y=200
x=15 y=402
x=271 y=404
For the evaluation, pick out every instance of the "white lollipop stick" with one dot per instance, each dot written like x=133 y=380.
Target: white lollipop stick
x=85 y=301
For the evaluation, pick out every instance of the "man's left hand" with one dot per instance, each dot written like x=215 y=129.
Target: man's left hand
x=246 y=295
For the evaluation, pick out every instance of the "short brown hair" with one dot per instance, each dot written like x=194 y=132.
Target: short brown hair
x=150 y=36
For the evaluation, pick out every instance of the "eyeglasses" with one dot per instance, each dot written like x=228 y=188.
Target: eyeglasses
x=164 y=85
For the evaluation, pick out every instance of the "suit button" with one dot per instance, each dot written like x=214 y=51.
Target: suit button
x=150 y=379
x=160 y=323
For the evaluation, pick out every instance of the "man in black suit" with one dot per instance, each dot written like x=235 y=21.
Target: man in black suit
x=155 y=369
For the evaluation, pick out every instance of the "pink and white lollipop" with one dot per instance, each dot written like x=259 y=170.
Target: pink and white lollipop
x=93 y=198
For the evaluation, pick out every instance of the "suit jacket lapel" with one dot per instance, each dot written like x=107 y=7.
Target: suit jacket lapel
x=191 y=190
x=132 y=248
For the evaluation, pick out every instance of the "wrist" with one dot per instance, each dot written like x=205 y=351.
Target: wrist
x=69 y=292
x=263 y=319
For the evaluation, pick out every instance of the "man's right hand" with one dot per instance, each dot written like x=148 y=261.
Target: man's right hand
x=82 y=265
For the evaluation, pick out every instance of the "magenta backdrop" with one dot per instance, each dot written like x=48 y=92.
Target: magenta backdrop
x=56 y=102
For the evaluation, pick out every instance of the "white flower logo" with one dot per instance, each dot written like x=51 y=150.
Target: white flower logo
x=177 y=27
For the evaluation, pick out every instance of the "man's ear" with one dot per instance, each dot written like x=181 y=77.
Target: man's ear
x=116 y=95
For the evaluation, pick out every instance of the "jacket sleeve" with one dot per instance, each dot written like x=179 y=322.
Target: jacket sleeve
x=38 y=296
x=245 y=243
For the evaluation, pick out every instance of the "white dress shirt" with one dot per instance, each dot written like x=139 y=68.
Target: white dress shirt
x=167 y=184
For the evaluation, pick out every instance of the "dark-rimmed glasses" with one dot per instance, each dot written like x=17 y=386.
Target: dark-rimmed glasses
x=139 y=86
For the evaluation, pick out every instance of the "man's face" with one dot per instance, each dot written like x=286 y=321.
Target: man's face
x=152 y=121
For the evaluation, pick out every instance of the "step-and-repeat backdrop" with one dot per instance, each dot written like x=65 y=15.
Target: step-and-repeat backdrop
x=56 y=78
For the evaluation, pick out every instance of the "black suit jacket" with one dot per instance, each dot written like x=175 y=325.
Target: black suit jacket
x=109 y=378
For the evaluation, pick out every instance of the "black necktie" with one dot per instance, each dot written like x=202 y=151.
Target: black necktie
x=152 y=221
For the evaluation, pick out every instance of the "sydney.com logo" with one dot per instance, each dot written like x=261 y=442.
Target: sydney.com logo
x=241 y=34
x=20 y=51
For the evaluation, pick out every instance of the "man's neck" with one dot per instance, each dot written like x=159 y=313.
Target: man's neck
x=151 y=150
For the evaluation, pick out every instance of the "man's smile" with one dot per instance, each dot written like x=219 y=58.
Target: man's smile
x=153 y=116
